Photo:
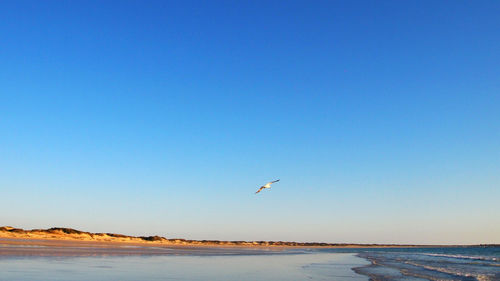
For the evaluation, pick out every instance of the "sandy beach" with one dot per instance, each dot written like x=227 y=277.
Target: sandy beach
x=42 y=255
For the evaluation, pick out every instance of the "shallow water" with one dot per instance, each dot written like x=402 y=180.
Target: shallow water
x=282 y=266
x=437 y=264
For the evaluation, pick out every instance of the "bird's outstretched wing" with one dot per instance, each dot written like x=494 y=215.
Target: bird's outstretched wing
x=259 y=189
x=275 y=181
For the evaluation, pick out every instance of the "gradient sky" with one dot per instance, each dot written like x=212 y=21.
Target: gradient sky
x=381 y=118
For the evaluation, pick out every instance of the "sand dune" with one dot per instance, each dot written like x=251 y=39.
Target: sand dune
x=69 y=234
x=60 y=233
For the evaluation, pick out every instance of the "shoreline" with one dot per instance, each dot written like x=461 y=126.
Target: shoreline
x=31 y=247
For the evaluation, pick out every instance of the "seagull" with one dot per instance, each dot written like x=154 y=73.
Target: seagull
x=267 y=185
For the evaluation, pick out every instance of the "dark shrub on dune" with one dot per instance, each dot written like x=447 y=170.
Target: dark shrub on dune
x=117 y=235
x=11 y=229
x=152 y=238
x=66 y=230
x=16 y=230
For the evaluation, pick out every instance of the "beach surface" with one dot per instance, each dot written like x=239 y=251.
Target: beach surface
x=37 y=260
x=53 y=259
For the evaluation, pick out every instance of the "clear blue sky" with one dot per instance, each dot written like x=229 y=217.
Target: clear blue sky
x=381 y=118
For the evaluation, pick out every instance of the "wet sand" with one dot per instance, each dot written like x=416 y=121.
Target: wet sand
x=40 y=260
x=70 y=262
x=38 y=247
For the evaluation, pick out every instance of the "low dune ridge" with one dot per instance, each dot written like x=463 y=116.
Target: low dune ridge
x=63 y=233
x=70 y=234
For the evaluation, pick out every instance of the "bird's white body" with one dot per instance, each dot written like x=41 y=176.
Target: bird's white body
x=267 y=185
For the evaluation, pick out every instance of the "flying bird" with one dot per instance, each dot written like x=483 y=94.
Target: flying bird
x=267 y=185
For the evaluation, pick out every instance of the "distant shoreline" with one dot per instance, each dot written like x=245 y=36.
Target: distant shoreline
x=13 y=235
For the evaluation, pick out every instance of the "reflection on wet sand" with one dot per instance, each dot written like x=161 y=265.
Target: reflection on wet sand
x=69 y=261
